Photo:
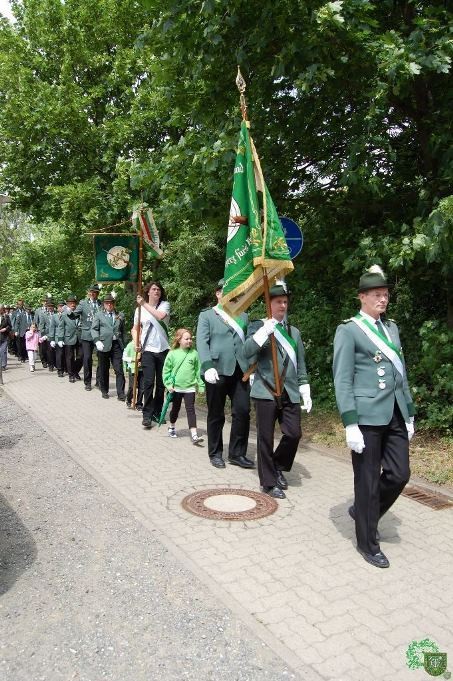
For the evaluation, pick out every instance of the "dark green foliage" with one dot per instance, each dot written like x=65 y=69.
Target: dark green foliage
x=104 y=102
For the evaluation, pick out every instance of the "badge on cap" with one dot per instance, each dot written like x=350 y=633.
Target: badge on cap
x=377 y=356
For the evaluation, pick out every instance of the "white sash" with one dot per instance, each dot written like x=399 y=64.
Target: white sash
x=231 y=322
x=286 y=346
x=382 y=345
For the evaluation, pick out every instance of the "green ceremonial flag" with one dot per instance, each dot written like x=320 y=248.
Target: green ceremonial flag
x=256 y=242
x=116 y=257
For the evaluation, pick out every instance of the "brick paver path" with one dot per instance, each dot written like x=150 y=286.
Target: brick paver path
x=295 y=577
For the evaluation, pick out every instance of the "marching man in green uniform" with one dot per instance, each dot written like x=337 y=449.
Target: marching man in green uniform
x=38 y=318
x=220 y=345
x=107 y=332
x=60 y=361
x=68 y=336
x=44 y=325
x=294 y=387
x=376 y=408
x=86 y=310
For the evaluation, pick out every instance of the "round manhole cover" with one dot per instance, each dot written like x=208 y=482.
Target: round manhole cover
x=229 y=504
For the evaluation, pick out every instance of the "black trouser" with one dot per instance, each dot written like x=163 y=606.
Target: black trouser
x=43 y=351
x=73 y=357
x=269 y=462
x=115 y=357
x=380 y=475
x=130 y=388
x=12 y=345
x=50 y=355
x=239 y=394
x=21 y=350
x=189 y=402
x=87 y=355
x=152 y=365
x=60 y=359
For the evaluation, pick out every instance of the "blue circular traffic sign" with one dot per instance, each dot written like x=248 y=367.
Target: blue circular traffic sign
x=293 y=235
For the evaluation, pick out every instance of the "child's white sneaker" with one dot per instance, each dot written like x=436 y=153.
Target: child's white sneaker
x=172 y=431
x=196 y=440
x=32 y=368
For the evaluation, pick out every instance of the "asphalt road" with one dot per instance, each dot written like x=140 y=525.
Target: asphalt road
x=88 y=593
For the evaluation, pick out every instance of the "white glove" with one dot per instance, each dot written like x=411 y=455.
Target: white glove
x=263 y=333
x=52 y=344
x=410 y=428
x=43 y=338
x=60 y=344
x=304 y=391
x=251 y=379
x=354 y=438
x=100 y=345
x=211 y=375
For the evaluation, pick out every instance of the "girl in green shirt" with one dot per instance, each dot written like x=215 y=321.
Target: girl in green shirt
x=181 y=376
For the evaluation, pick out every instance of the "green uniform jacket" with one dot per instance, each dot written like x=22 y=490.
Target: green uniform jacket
x=86 y=313
x=359 y=397
x=218 y=346
x=263 y=357
x=21 y=324
x=38 y=316
x=53 y=326
x=68 y=329
x=45 y=319
x=103 y=330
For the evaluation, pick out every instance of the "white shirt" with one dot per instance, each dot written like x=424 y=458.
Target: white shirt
x=373 y=321
x=154 y=342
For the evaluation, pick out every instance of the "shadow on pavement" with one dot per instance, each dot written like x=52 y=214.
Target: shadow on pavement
x=17 y=546
x=345 y=525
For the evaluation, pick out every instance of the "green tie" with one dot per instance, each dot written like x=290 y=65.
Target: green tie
x=380 y=328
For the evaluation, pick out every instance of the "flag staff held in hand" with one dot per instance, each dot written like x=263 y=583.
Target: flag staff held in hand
x=241 y=85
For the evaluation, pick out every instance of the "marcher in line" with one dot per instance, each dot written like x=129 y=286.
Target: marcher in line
x=181 y=376
x=12 y=345
x=86 y=310
x=376 y=408
x=44 y=324
x=5 y=330
x=220 y=345
x=60 y=361
x=151 y=340
x=272 y=463
x=68 y=336
x=107 y=332
x=22 y=320
x=38 y=318
x=31 y=344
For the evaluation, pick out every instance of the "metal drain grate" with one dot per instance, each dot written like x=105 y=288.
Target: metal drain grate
x=434 y=500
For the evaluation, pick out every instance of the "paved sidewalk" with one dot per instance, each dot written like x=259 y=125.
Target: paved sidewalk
x=295 y=577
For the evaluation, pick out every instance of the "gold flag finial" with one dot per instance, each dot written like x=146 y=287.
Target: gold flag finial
x=241 y=85
x=240 y=82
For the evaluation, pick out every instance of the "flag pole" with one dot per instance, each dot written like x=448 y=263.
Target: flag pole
x=139 y=292
x=241 y=86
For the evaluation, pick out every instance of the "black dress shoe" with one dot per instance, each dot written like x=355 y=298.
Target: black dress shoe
x=44 y=366
x=241 y=461
x=146 y=422
x=51 y=368
x=71 y=379
x=218 y=462
x=77 y=377
x=87 y=386
x=275 y=492
x=282 y=482
x=60 y=374
x=105 y=396
x=351 y=511
x=378 y=559
x=122 y=398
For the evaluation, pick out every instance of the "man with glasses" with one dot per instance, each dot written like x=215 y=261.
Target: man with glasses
x=376 y=408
